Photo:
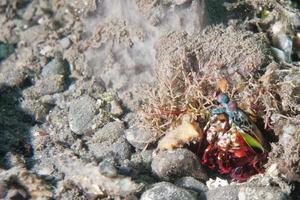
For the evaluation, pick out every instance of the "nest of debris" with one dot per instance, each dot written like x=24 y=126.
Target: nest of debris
x=188 y=72
x=191 y=70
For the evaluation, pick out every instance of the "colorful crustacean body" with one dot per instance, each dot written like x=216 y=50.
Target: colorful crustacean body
x=235 y=146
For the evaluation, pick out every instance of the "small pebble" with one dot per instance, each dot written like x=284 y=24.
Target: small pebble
x=65 y=43
x=46 y=171
x=279 y=54
x=170 y=165
x=116 y=108
x=282 y=41
x=245 y=192
x=165 y=191
x=190 y=183
x=108 y=169
x=110 y=139
x=138 y=137
x=81 y=113
x=56 y=66
x=45 y=50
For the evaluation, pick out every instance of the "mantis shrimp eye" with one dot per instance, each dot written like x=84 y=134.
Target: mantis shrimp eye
x=223 y=98
x=238 y=170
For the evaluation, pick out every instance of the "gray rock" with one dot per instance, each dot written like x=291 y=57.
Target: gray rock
x=170 y=165
x=81 y=113
x=46 y=50
x=190 y=183
x=132 y=119
x=283 y=42
x=138 y=137
x=110 y=139
x=246 y=193
x=48 y=99
x=107 y=168
x=279 y=55
x=56 y=66
x=111 y=131
x=119 y=147
x=65 y=42
x=226 y=193
x=46 y=86
x=166 y=191
x=45 y=170
x=147 y=156
x=261 y=193
x=115 y=108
